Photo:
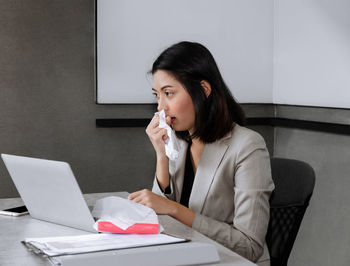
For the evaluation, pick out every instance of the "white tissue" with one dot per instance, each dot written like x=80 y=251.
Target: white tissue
x=122 y=212
x=171 y=143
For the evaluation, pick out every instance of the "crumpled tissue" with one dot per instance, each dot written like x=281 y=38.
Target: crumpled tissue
x=118 y=215
x=171 y=143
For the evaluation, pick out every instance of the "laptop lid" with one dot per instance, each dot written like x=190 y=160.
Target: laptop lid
x=50 y=191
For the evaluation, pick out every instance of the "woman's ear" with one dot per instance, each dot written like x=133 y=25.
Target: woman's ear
x=206 y=87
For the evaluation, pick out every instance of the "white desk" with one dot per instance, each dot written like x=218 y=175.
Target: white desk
x=15 y=229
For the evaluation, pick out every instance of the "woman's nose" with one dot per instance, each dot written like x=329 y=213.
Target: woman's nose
x=161 y=105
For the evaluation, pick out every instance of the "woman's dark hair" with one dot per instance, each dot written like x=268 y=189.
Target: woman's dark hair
x=190 y=63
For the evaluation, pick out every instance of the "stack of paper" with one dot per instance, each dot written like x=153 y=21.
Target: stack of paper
x=56 y=246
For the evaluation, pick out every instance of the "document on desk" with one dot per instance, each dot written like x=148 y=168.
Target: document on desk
x=68 y=245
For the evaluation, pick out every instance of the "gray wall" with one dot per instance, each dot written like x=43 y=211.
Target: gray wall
x=323 y=238
x=47 y=107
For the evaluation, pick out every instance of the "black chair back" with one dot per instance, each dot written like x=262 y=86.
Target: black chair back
x=294 y=183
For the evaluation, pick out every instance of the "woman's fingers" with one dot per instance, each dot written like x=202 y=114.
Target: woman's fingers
x=162 y=133
x=142 y=197
x=155 y=121
x=137 y=194
x=146 y=197
x=157 y=135
x=168 y=120
x=133 y=195
x=153 y=125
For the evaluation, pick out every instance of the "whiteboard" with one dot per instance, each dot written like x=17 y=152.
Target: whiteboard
x=312 y=53
x=132 y=33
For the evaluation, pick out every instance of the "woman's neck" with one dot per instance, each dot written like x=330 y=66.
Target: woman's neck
x=197 y=148
x=197 y=142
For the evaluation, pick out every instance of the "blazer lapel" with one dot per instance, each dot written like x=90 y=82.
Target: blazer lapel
x=208 y=164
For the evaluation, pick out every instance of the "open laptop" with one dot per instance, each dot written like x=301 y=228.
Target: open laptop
x=50 y=191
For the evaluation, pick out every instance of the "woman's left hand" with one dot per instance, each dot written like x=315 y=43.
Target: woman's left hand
x=158 y=203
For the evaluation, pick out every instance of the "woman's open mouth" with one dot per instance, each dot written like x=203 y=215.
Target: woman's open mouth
x=172 y=119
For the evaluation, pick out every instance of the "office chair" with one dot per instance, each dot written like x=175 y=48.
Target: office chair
x=294 y=183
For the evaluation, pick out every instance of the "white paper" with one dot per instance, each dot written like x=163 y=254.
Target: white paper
x=122 y=212
x=171 y=143
x=54 y=246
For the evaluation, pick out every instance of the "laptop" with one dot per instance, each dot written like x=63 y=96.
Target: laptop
x=50 y=191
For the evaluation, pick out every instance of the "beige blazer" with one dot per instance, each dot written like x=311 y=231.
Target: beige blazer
x=230 y=193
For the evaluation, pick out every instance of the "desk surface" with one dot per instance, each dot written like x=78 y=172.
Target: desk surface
x=15 y=229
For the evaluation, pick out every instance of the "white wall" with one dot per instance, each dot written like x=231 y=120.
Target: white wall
x=132 y=33
x=269 y=51
x=312 y=53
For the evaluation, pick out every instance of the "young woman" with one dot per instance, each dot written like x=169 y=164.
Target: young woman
x=221 y=183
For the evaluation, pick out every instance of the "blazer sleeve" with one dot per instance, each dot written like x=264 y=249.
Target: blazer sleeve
x=157 y=190
x=252 y=188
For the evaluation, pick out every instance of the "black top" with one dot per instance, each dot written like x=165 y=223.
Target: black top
x=188 y=178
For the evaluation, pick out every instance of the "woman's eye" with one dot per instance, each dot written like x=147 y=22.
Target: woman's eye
x=155 y=95
x=169 y=93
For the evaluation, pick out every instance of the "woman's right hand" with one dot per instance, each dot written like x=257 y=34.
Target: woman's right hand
x=157 y=135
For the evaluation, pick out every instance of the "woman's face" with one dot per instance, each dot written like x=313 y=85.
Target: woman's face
x=175 y=100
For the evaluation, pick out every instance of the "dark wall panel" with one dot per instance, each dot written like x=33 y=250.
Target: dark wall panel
x=323 y=238
x=47 y=107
